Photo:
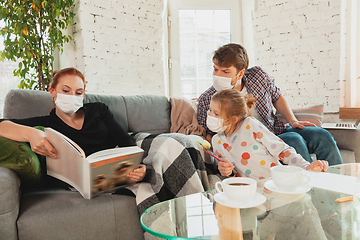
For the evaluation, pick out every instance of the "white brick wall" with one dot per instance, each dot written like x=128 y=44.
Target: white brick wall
x=119 y=46
x=298 y=44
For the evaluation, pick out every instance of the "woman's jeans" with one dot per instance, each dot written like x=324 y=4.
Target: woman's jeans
x=313 y=140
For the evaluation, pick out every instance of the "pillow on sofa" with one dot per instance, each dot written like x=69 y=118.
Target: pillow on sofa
x=19 y=157
x=313 y=114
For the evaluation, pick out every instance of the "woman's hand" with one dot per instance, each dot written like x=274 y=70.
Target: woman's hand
x=225 y=167
x=302 y=124
x=319 y=166
x=138 y=173
x=40 y=145
x=17 y=132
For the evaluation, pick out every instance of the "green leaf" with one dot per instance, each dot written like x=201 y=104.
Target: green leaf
x=25 y=41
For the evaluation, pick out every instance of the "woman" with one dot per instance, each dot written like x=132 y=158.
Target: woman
x=231 y=72
x=92 y=126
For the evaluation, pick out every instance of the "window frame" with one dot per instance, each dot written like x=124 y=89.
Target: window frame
x=350 y=41
x=174 y=85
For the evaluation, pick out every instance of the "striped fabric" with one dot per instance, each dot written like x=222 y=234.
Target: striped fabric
x=313 y=114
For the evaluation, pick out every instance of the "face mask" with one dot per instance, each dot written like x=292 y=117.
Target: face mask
x=215 y=124
x=222 y=83
x=68 y=103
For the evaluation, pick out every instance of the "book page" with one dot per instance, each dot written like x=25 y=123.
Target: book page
x=113 y=152
x=68 y=140
x=69 y=166
x=109 y=170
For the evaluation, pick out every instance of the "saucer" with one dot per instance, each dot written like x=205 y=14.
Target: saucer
x=257 y=200
x=301 y=189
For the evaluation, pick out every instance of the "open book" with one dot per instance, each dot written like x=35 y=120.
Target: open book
x=103 y=171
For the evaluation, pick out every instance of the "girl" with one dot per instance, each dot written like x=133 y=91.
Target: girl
x=244 y=143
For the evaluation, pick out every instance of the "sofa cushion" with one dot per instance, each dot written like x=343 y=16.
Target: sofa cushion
x=61 y=214
x=9 y=203
x=347 y=156
x=148 y=113
x=313 y=114
x=21 y=103
x=139 y=113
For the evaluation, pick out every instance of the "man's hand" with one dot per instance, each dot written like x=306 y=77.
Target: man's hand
x=302 y=124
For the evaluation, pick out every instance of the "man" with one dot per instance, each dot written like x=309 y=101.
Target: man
x=231 y=71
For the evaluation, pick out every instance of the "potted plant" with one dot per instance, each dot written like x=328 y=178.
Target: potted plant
x=33 y=30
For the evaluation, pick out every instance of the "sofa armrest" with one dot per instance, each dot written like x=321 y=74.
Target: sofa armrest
x=348 y=140
x=9 y=203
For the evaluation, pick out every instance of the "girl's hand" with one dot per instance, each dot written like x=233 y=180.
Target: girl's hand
x=138 y=173
x=40 y=145
x=319 y=166
x=225 y=167
x=302 y=124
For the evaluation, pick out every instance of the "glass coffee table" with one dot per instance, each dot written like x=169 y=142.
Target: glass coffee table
x=311 y=214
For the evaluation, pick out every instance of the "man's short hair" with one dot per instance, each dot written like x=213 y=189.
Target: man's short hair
x=231 y=54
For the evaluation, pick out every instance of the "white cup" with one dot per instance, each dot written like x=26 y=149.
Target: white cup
x=288 y=178
x=237 y=189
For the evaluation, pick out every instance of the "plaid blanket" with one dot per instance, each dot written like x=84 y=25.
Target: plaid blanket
x=176 y=166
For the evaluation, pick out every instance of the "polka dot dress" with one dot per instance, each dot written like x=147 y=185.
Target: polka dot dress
x=253 y=149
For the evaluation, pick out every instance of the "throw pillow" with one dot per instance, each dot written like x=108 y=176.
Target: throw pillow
x=19 y=157
x=313 y=114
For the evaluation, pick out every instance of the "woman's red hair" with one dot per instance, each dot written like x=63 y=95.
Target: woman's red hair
x=65 y=71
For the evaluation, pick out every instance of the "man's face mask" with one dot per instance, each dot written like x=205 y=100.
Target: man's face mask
x=222 y=83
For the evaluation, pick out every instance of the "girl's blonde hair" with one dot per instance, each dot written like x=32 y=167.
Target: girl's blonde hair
x=233 y=104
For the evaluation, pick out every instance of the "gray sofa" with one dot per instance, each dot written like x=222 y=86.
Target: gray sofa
x=59 y=214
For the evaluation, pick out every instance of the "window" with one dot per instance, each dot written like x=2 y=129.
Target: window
x=350 y=66
x=197 y=28
x=351 y=42
x=7 y=79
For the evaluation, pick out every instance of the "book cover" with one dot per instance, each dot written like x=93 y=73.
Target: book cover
x=100 y=172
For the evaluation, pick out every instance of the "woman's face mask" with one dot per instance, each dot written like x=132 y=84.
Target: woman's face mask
x=68 y=104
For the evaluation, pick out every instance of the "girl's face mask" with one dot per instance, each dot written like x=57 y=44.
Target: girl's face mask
x=68 y=104
x=215 y=124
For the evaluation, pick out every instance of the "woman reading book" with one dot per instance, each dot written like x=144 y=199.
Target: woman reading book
x=92 y=126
